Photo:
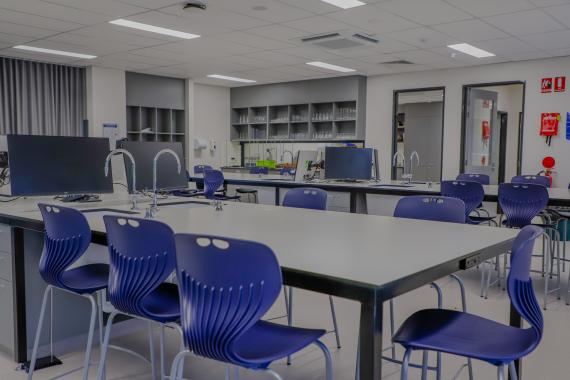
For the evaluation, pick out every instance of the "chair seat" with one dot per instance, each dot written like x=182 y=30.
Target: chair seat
x=163 y=304
x=479 y=219
x=466 y=335
x=246 y=191
x=266 y=342
x=226 y=197
x=86 y=279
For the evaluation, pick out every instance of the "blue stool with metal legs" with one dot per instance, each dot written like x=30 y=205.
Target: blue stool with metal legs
x=472 y=194
x=439 y=209
x=67 y=237
x=213 y=182
x=471 y=336
x=199 y=169
x=252 y=192
x=534 y=179
x=313 y=199
x=483 y=179
x=241 y=281
x=142 y=257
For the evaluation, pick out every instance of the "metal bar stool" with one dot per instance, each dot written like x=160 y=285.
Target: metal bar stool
x=142 y=257
x=253 y=192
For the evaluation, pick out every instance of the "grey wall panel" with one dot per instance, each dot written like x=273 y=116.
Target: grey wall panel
x=155 y=91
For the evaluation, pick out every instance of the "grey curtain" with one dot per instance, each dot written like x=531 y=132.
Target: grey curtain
x=40 y=98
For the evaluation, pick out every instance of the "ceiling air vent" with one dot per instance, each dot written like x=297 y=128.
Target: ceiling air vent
x=398 y=62
x=340 y=40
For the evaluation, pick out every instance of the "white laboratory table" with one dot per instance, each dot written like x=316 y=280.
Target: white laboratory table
x=369 y=259
x=359 y=190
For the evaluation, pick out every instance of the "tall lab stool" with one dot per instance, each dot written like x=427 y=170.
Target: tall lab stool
x=241 y=281
x=471 y=336
x=67 y=237
x=313 y=199
x=142 y=257
x=253 y=192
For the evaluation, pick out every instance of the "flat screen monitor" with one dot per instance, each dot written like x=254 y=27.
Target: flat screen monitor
x=168 y=177
x=348 y=163
x=55 y=165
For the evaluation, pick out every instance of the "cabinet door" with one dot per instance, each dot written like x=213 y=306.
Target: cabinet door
x=6 y=317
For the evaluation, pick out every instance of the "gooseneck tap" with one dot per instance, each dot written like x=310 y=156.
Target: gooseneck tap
x=417 y=156
x=154 y=207
x=134 y=167
x=397 y=155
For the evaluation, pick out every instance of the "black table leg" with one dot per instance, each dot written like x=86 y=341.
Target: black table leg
x=19 y=275
x=358 y=204
x=516 y=321
x=277 y=196
x=371 y=341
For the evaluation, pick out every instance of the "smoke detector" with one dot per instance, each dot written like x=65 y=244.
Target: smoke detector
x=194 y=5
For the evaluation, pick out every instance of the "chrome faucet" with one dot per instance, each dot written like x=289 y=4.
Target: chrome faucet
x=128 y=154
x=283 y=156
x=151 y=212
x=417 y=156
x=397 y=155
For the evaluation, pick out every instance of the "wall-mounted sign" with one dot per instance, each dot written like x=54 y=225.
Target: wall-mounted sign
x=546 y=85
x=560 y=84
x=549 y=125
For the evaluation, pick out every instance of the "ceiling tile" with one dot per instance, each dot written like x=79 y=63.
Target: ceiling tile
x=505 y=46
x=421 y=57
x=247 y=61
x=151 y=4
x=277 y=57
x=471 y=30
x=97 y=44
x=277 y=32
x=483 y=8
x=115 y=33
x=24 y=30
x=56 y=11
x=379 y=58
x=372 y=19
x=317 y=7
x=318 y=25
x=548 y=3
x=423 y=38
x=207 y=47
x=309 y=53
x=13 y=39
x=549 y=41
x=302 y=70
x=560 y=13
x=425 y=12
x=111 y=8
x=21 y=18
x=269 y=10
x=255 y=41
x=523 y=23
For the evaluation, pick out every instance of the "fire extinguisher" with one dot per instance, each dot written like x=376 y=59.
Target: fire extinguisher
x=548 y=164
x=549 y=125
x=485 y=132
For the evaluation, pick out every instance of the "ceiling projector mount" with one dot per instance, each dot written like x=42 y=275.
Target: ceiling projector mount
x=194 y=5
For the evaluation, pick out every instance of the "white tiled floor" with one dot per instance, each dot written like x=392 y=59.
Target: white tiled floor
x=549 y=362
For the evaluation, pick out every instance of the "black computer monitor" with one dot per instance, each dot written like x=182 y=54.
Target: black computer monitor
x=55 y=165
x=168 y=177
x=348 y=163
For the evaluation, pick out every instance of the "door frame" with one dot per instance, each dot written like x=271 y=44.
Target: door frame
x=502 y=144
x=395 y=125
x=465 y=91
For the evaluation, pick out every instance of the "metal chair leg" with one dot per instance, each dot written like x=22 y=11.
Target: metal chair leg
x=290 y=316
x=405 y=365
x=178 y=365
x=335 y=324
x=162 y=374
x=105 y=347
x=87 y=360
x=501 y=372
x=47 y=292
x=513 y=371
x=151 y=349
x=425 y=357
x=101 y=323
x=328 y=359
x=274 y=374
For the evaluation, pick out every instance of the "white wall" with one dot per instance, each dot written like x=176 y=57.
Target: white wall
x=209 y=118
x=380 y=97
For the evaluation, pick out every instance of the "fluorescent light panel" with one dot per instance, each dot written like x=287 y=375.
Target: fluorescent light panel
x=54 y=52
x=153 y=29
x=471 y=50
x=328 y=66
x=233 y=79
x=344 y=4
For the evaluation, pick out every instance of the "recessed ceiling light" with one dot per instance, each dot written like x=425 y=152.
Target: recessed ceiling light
x=328 y=66
x=233 y=79
x=55 y=52
x=153 y=29
x=471 y=50
x=345 y=4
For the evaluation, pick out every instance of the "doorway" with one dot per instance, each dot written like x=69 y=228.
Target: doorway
x=492 y=129
x=417 y=144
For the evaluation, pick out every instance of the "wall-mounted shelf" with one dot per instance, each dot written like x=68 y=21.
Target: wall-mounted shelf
x=166 y=125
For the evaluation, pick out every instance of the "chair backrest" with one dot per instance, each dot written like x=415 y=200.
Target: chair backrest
x=230 y=284
x=306 y=197
x=67 y=237
x=199 y=169
x=522 y=202
x=519 y=283
x=470 y=192
x=534 y=179
x=142 y=256
x=439 y=209
x=213 y=180
x=483 y=179
x=259 y=170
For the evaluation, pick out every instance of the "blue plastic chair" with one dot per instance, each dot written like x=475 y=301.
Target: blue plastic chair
x=437 y=209
x=471 y=193
x=483 y=179
x=199 y=169
x=259 y=170
x=313 y=199
x=306 y=197
x=142 y=257
x=471 y=336
x=533 y=179
x=522 y=202
x=214 y=181
x=241 y=281
x=67 y=237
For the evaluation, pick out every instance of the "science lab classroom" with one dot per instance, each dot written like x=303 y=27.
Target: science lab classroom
x=284 y=189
